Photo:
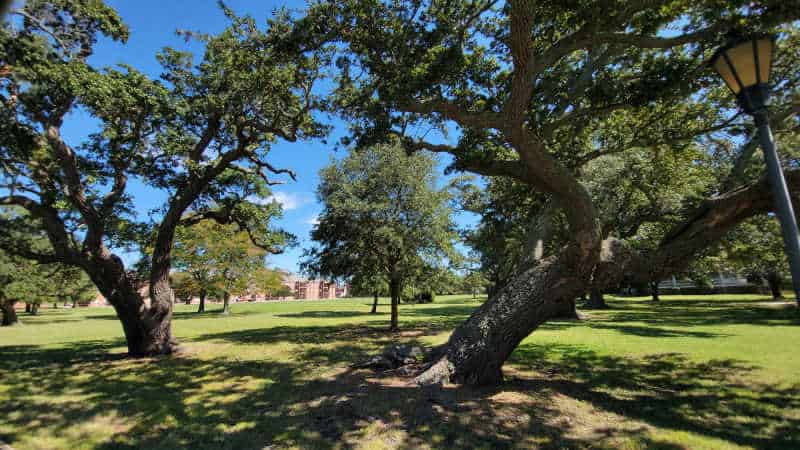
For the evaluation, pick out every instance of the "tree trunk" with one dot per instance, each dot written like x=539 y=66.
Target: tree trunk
x=226 y=303
x=394 y=287
x=567 y=310
x=202 y=307
x=774 y=282
x=27 y=307
x=9 y=314
x=654 y=290
x=148 y=331
x=35 y=309
x=477 y=349
x=375 y=305
x=596 y=300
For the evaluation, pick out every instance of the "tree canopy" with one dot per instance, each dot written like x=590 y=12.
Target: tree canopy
x=383 y=215
x=536 y=91
x=201 y=134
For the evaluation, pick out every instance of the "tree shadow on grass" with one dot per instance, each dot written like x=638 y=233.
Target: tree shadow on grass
x=567 y=397
x=686 y=313
x=669 y=391
x=328 y=314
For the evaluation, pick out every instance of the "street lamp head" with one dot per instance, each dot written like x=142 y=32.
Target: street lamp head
x=745 y=66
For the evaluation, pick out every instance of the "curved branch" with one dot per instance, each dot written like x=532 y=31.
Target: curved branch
x=42 y=27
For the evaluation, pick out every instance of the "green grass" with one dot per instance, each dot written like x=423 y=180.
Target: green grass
x=690 y=372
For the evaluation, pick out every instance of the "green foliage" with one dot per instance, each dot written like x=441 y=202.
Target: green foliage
x=201 y=133
x=383 y=217
x=220 y=258
x=185 y=286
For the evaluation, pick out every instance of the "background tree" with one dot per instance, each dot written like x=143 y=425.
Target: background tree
x=219 y=258
x=201 y=135
x=383 y=216
x=186 y=287
x=755 y=250
x=269 y=282
x=530 y=88
x=369 y=284
x=192 y=255
x=9 y=272
x=474 y=283
x=71 y=285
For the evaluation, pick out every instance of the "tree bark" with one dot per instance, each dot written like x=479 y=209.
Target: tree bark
x=477 y=349
x=148 y=331
x=596 y=299
x=375 y=305
x=226 y=303
x=9 y=314
x=27 y=307
x=35 y=309
x=394 y=287
x=202 y=306
x=567 y=310
x=774 y=282
x=654 y=291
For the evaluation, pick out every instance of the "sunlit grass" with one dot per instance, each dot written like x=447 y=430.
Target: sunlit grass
x=689 y=372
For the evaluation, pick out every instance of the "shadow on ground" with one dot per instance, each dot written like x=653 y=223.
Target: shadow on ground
x=168 y=403
x=556 y=396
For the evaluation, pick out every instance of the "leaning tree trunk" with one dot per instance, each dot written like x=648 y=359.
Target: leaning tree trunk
x=9 y=314
x=375 y=304
x=596 y=299
x=394 y=288
x=477 y=349
x=774 y=282
x=202 y=306
x=226 y=303
x=654 y=290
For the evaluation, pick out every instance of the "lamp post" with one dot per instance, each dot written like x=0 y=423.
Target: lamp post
x=745 y=68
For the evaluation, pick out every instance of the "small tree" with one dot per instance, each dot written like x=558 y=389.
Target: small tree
x=755 y=248
x=369 y=284
x=383 y=216
x=269 y=282
x=186 y=287
x=218 y=257
x=72 y=286
x=475 y=283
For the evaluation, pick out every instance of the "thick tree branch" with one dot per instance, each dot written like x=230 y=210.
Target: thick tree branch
x=54 y=227
x=75 y=190
x=451 y=111
x=705 y=227
x=41 y=27
x=491 y=168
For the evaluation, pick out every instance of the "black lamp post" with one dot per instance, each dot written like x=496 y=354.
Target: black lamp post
x=745 y=67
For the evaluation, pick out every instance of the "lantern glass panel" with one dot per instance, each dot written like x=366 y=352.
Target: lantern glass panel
x=724 y=70
x=744 y=63
x=764 y=59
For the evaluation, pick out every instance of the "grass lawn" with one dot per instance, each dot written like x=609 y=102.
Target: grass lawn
x=690 y=372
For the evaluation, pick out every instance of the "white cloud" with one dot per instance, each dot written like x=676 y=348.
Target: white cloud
x=313 y=220
x=289 y=200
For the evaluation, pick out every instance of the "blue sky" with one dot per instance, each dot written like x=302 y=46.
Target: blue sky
x=152 y=24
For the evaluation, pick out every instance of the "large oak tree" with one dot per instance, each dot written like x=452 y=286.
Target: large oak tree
x=200 y=135
x=531 y=88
